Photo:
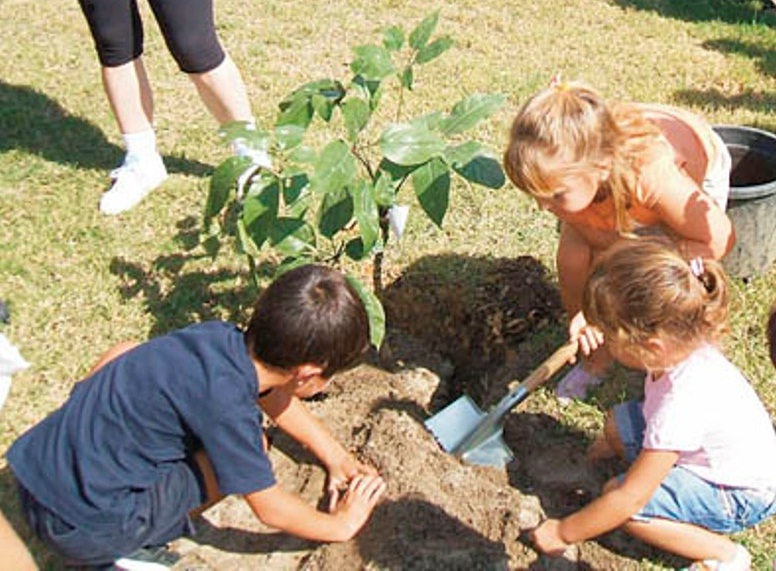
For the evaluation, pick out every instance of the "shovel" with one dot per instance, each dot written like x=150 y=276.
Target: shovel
x=476 y=437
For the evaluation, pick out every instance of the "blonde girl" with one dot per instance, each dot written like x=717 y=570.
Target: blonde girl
x=608 y=171
x=702 y=446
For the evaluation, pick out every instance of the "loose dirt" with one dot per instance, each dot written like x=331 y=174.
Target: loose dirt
x=438 y=513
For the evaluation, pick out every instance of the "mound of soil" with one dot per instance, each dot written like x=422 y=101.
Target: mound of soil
x=438 y=513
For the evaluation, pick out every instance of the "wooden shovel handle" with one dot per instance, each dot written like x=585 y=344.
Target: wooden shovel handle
x=549 y=367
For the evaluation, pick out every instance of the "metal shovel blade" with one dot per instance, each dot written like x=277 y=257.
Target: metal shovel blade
x=451 y=425
x=461 y=428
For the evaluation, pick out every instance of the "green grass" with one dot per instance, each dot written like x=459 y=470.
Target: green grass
x=78 y=282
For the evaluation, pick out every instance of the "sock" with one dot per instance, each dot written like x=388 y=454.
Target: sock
x=141 y=144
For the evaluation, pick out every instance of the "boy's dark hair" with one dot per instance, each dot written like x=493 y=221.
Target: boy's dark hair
x=772 y=334
x=310 y=314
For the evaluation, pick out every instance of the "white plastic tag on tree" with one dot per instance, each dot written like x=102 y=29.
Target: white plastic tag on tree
x=397 y=218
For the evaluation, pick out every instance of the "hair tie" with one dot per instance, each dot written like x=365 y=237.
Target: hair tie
x=696 y=267
x=557 y=83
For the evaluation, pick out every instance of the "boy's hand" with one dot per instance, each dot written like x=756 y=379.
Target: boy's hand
x=590 y=338
x=546 y=538
x=358 y=501
x=342 y=471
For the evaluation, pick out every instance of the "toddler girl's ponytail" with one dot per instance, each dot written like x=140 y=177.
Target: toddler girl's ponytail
x=715 y=294
x=642 y=288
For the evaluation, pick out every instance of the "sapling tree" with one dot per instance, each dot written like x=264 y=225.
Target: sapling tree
x=337 y=199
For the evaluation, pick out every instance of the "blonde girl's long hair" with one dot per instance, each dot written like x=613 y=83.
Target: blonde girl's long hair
x=642 y=288
x=569 y=127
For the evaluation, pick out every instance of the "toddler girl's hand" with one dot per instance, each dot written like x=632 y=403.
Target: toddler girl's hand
x=546 y=538
x=358 y=501
x=589 y=338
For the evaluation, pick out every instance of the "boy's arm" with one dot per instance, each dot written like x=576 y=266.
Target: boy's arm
x=288 y=512
x=293 y=417
x=612 y=509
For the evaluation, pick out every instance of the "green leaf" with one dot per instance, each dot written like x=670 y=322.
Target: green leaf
x=303 y=154
x=292 y=236
x=410 y=144
x=258 y=205
x=367 y=215
x=429 y=121
x=467 y=113
x=374 y=311
x=299 y=112
x=336 y=212
x=372 y=62
x=233 y=130
x=422 y=33
x=297 y=107
x=483 y=170
x=432 y=187
x=222 y=182
x=356 y=113
x=334 y=169
x=294 y=187
x=323 y=106
x=384 y=192
x=396 y=172
x=370 y=89
x=407 y=78
x=355 y=250
x=289 y=136
x=393 y=38
x=434 y=49
x=260 y=211
x=459 y=155
x=245 y=242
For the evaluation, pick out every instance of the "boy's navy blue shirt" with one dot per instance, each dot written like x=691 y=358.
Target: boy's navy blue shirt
x=130 y=421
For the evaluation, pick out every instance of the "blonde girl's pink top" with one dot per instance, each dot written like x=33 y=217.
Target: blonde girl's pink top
x=706 y=410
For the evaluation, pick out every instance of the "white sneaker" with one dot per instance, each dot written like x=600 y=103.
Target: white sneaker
x=132 y=181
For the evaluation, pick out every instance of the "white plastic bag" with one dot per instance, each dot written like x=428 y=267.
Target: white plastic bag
x=11 y=362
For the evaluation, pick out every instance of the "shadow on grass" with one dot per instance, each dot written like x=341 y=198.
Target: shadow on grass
x=177 y=297
x=730 y=11
x=33 y=122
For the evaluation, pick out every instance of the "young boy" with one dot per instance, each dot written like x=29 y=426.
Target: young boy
x=161 y=430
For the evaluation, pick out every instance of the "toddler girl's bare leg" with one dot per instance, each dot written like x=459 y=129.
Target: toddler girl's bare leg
x=608 y=443
x=683 y=539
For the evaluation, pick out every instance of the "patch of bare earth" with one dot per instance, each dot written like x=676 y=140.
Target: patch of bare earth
x=438 y=513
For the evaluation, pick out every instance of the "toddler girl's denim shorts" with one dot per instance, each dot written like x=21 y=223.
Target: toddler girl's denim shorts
x=685 y=497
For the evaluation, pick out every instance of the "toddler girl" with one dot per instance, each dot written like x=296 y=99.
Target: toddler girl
x=702 y=446
x=612 y=170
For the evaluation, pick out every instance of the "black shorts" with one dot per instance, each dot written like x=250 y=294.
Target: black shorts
x=188 y=29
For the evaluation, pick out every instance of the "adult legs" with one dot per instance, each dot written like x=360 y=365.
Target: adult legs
x=223 y=92
x=130 y=96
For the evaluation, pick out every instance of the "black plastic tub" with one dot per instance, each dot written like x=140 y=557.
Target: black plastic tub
x=752 y=201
